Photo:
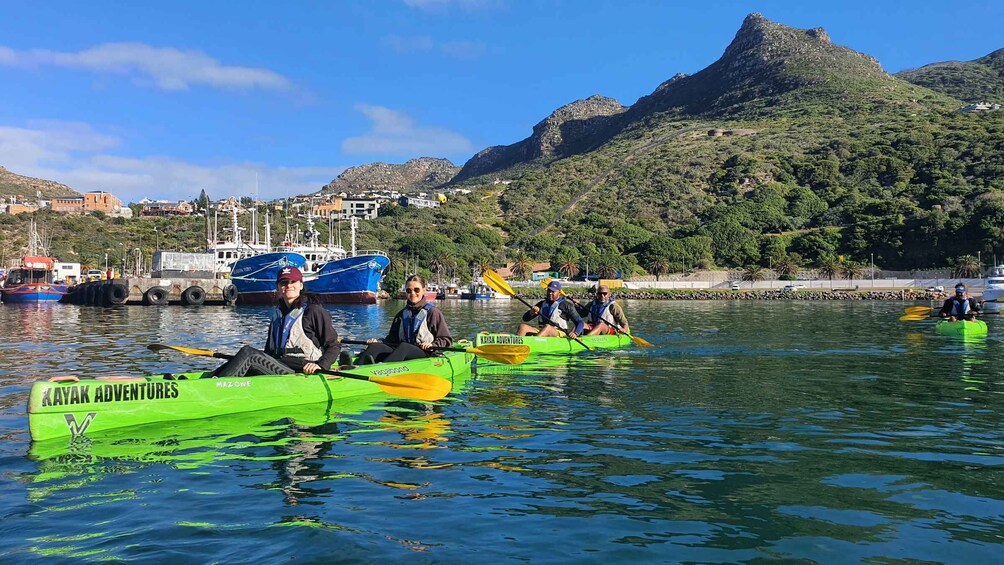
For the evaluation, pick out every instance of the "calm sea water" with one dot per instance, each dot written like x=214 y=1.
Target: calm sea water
x=820 y=432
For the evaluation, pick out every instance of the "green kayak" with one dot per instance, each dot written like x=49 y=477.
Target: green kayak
x=554 y=345
x=961 y=328
x=74 y=406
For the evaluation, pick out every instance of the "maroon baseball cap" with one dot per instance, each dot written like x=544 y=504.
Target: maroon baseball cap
x=291 y=274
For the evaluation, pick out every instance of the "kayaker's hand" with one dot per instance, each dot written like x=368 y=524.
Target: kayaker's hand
x=535 y=310
x=571 y=335
x=311 y=368
x=425 y=346
x=372 y=340
x=952 y=319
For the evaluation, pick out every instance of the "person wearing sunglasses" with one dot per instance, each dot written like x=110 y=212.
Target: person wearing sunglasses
x=417 y=331
x=961 y=306
x=603 y=314
x=558 y=316
x=301 y=338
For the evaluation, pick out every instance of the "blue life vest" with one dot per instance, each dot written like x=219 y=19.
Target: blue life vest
x=280 y=328
x=411 y=324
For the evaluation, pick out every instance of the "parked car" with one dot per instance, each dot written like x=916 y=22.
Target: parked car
x=793 y=287
x=938 y=288
x=735 y=285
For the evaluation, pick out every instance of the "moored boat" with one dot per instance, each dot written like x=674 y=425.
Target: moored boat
x=74 y=406
x=993 y=291
x=33 y=281
x=554 y=345
x=961 y=328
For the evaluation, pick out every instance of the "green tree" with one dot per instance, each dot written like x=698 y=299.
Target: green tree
x=522 y=266
x=967 y=266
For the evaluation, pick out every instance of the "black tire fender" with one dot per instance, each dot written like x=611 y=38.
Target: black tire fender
x=230 y=294
x=116 y=294
x=193 y=296
x=155 y=296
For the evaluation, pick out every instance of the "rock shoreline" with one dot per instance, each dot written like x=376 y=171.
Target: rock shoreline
x=642 y=294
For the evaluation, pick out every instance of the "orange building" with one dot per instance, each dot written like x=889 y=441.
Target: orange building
x=96 y=201
x=328 y=209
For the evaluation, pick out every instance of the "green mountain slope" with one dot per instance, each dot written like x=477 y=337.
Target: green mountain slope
x=980 y=80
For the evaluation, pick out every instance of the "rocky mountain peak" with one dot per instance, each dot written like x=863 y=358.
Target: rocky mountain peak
x=421 y=174
x=570 y=122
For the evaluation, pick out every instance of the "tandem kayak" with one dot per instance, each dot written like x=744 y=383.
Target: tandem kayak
x=961 y=328
x=75 y=406
x=554 y=345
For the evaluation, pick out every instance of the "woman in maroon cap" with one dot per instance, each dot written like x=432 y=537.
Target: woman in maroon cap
x=301 y=338
x=416 y=332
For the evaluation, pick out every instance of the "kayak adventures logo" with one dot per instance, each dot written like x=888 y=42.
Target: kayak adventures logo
x=78 y=428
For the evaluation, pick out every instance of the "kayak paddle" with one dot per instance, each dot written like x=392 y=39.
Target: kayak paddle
x=496 y=281
x=915 y=313
x=636 y=340
x=419 y=386
x=505 y=354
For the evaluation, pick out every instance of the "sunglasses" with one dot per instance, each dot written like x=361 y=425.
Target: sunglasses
x=286 y=282
x=413 y=290
x=603 y=293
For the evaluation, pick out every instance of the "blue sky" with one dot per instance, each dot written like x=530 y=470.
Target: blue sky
x=162 y=99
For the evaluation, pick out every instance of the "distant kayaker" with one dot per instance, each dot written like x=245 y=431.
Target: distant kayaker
x=416 y=330
x=961 y=306
x=603 y=314
x=558 y=316
x=300 y=339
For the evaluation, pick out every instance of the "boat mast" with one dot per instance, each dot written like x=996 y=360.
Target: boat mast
x=353 y=221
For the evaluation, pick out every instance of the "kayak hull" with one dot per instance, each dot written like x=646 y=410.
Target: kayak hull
x=76 y=406
x=554 y=345
x=961 y=328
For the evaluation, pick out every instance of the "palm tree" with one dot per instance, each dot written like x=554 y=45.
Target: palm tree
x=852 y=270
x=753 y=273
x=606 y=269
x=658 y=266
x=522 y=266
x=482 y=264
x=569 y=268
x=439 y=264
x=785 y=266
x=967 y=266
x=828 y=267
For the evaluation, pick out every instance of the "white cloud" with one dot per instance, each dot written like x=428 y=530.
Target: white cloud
x=395 y=133
x=165 y=68
x=76 y=155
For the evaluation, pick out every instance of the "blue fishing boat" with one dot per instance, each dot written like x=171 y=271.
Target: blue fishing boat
x=33 y=281
x=328 y=271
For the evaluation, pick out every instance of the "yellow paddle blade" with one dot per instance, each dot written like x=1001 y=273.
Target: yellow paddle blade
x=918 y=310
x=420 y=386
x=913 y=317
x=639 y=341
x=497 y=283
x=188 y=350
x=505 y=354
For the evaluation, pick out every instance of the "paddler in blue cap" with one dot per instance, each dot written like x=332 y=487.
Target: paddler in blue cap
x=558 y=316
x=961 y=306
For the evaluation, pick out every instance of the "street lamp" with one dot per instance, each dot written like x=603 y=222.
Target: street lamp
x=156 y=233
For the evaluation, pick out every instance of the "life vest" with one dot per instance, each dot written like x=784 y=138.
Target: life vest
x=960 y=308
x=413 y=328
x=553 y=313
x=287 y=338
x=601 y=313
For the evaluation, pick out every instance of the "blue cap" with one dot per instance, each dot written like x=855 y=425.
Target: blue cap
x=960 y=287
x=555 y=285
